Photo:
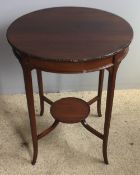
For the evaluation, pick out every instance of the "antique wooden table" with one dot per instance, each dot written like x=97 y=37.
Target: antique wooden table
x=70 y=40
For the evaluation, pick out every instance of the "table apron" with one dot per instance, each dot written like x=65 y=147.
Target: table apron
x=70 y=67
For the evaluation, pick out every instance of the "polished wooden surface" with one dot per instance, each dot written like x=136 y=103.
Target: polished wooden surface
x=70 y=110
x=70 y=34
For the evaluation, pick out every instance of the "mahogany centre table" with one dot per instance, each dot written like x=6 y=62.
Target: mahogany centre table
x=70 y=40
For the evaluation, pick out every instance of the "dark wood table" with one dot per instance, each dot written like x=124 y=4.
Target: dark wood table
x=70 y=40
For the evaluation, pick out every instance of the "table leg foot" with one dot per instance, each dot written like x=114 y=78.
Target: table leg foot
x=42 y=109
x=34 y=160
x=99 y=109
x=105 y=152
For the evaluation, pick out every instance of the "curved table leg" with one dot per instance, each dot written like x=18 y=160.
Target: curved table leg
x=109 y=103
x=31 y=110
x=100 y=88
x=40 y=85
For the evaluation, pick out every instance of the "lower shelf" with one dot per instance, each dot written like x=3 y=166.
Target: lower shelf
x=70 y=110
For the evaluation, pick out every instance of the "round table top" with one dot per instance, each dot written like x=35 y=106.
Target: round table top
x=71 y=34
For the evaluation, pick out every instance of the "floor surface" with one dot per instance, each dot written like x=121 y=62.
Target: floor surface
x=70 y=149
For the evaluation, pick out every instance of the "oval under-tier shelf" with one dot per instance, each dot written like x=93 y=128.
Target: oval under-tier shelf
x=70 y=110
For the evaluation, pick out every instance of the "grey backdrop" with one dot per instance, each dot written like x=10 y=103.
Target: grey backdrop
x=11 y=79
